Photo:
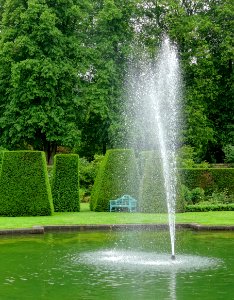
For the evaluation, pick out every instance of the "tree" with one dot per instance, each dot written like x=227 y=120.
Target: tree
x=110 y=37
x=41 y=59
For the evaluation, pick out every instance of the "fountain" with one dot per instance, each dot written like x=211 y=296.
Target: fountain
x=153 y=89
x=118 y=264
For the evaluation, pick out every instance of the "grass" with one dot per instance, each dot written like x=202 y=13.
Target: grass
x=87 y=217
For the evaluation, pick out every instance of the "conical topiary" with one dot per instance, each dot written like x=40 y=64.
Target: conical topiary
x=152 y=191
x=24 y=184
x=117 y=175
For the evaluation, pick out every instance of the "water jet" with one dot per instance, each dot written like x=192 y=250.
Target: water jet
x=154 y=92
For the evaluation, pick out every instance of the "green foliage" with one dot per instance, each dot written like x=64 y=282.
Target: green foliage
x=40 y=53
x=209 y=207
x=152 y=194
x=1 y=157
x=102 y=101
x=87 y=173
x=117 y=175
x=63 y=67
x=186 y=158
x=221 y=197
x=229 y=154
x=210 y=180
x=65 y=183
x=24 y=184
x=202 y=31
x=193 y=196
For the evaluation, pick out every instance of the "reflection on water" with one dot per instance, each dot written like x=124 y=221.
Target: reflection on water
x=172 y=286
x=131 y=261
x=117 y=265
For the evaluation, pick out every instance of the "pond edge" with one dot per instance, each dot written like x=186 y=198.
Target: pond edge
x=58 y=228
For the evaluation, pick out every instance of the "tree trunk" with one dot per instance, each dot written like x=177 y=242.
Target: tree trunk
x=50 y=149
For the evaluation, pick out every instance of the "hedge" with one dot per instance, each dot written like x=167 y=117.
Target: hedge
x=117 y=175
x=1 y=157
x=65 y=183
x=210 y=207
x=212 y=179
x=24 y=184
x=152 y=191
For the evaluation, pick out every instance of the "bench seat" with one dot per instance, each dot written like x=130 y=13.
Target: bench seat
x=125 y=201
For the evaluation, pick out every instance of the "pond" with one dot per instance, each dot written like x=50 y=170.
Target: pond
x=117 y=265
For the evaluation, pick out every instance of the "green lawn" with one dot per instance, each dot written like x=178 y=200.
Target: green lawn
x=88 y=217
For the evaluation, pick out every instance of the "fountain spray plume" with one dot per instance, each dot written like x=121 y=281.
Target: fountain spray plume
x=154 y=92
x=166 y=103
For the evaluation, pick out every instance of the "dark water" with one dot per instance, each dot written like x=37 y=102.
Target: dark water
x=117 y=265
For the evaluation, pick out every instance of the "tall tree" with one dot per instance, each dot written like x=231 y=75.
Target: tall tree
x=41 y=57
x=111 y=35
x=203 y=31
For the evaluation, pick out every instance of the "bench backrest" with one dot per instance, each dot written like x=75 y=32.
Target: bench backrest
x=124 y=200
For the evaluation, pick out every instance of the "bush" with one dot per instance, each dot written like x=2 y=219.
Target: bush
x=117 y=175
x=193 y=196
x=229 y=154
x=65 y=183
x=186 y=158
x=87 y=174
x=221 y=197
x=24 y=185
x=152 y=192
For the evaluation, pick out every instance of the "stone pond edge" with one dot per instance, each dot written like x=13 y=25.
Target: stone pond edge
x=62 y=228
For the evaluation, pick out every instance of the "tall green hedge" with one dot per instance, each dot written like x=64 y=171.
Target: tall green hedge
x=152 y=191
x=212 y=179
x=65 y=183
x=1 y=157
x=117 y=175
x=24 y=184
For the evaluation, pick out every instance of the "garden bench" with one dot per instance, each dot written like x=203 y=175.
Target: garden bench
x=125 y=201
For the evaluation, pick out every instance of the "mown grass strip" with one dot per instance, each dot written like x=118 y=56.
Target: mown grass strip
x=88 y=217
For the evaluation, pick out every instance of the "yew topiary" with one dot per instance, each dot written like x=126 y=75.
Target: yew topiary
x=152 y=191
x=65 y=183
x=117 y=175
x=24 y=184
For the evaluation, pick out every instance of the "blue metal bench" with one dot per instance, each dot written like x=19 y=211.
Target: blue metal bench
x=125 y=201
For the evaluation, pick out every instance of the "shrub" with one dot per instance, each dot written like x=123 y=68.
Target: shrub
x=117 y=175
x=65 y=183
x=152 y=192
x=87 y=173
x=186 y=158
x=24 y=184
x=229 y=154
x=221 y=197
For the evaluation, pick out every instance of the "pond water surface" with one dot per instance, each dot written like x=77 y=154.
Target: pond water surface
x=117 y=265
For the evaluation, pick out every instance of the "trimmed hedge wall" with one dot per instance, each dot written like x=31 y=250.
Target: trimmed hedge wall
x=24 y=184
x=65 y=183
x=209 y=179
x=1 y=157
x=209 y=207
x=152 y=191
x=117 y=175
